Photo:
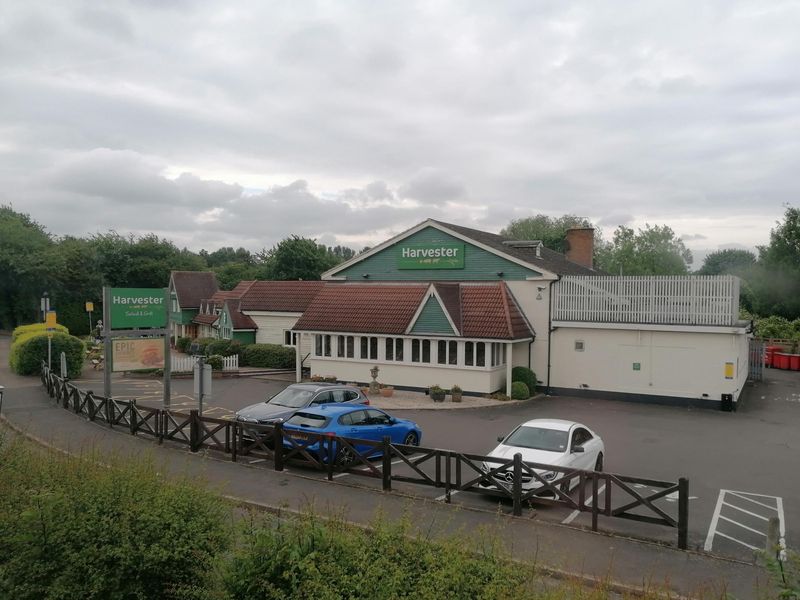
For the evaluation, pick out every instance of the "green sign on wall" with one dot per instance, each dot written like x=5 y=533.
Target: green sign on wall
x=138 y=307
x=445 y=255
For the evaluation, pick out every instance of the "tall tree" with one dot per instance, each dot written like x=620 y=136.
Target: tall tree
x=777 y=282
x=730 y=261
x=298 y=258
x=551 y=231
x=650 y=251
x=26 y=266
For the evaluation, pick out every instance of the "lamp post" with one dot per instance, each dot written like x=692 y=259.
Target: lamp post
x=45 y=305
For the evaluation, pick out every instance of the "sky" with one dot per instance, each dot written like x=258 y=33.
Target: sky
x=240 y=123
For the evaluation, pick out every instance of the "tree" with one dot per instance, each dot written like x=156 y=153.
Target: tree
x=551 y=231
x=227 y=255
x=650 y=251
x=298 y=258
x=26 y=266
x=776 y=283
x=728 y=262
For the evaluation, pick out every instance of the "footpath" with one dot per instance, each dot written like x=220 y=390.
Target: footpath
x=563 y=551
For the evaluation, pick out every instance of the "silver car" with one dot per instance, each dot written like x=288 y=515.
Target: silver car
x=296 y=397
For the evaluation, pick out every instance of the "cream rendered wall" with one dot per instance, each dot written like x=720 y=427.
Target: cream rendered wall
x=537 y=313
x=673 y=363
x=271 y=326
x=412 y=375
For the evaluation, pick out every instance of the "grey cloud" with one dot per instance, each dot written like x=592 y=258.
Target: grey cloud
x=431 y=186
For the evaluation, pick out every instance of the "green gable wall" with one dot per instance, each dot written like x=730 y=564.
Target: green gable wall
x=245 y=337
x=183 y=317
x=479 y=265
x=432 y=319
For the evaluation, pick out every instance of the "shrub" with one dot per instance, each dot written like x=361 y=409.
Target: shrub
x=34 y=328
x=203 y=343
x=216 y=362
x=71 y=528
x=183 y=343
x=269 y=356
x=520 y=391
x=220 y=347
x=526 y=376
x=301 y=558
x=30 y=349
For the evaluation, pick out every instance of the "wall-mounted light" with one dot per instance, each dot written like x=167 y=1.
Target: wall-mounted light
x=539 y=290
x=365 y=275
x=499 y=273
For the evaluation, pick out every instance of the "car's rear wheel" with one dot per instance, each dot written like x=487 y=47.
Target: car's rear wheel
x=598 y=464
x=345 y=457
x=411 y=439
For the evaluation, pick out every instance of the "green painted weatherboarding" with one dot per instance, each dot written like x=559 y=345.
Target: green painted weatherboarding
x=432 y=319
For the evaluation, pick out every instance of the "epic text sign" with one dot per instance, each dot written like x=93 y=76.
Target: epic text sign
x=144 y=353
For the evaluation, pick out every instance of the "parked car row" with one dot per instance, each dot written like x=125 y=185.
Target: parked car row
x=344 y=412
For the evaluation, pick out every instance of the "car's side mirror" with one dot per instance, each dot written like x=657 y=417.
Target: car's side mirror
x=500 y=438
x=578 y=449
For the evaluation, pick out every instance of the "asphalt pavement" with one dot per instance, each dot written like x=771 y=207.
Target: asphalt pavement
x=635 y=436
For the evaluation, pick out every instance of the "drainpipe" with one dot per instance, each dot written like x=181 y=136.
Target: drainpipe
x=549 y=330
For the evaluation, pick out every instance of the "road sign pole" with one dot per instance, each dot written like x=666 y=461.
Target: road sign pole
x=90 y=322
x=50 y=351
x=167 y=357
x=107 y=342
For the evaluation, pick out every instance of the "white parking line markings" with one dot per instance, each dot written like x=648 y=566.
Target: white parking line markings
x=760 y=507
x=571 y=517
x=394 y=462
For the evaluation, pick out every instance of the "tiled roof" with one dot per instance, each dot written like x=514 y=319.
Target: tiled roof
x=205 y=319
x=280 y=296
x=239 y=320
x=193 y=286
x=363 y=308
x=550 y=260
x=490 y=311
x=486 y=310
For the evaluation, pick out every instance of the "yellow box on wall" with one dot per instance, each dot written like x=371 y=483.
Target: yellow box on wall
x=729 y=370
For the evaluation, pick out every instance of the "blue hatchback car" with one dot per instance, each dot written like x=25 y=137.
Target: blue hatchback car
x=350 y=421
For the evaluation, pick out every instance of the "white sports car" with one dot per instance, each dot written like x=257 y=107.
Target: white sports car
x=550 y=442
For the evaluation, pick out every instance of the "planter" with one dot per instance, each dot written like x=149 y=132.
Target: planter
x=438 y=396
x=455 y=397
x=387 y=392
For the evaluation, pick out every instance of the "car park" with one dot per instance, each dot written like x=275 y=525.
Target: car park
x=556 y=442
x=297 y=396
x=352 y=422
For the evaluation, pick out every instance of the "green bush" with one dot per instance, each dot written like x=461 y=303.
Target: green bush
x=219 y=347
x=526 y=376
x=72 y=528
x=34 y=328
x=182 y=344
x=216 y=362
x=268 y=356
x=520 y=391
x=28 y=352
x=203 y=344
x=302 y=558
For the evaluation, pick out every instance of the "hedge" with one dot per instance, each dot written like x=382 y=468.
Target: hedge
x=34 y=328
x=203 y=343
x=28 y=352
x=268 y=356
x=224 y=347
x=182 y=344
x=520 y=391
x=526 y=376
x=216 y=362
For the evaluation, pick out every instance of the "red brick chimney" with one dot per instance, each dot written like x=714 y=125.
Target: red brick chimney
x=580 y=246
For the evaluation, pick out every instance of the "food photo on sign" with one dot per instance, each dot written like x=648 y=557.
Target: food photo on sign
x=134 y=354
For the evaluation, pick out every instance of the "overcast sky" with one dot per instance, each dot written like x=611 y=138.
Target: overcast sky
x=239 y=123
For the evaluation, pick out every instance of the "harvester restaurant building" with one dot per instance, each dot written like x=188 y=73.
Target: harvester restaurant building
x=444 y=304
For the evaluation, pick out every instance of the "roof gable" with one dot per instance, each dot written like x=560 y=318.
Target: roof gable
x=431 y=318
x=191 y=287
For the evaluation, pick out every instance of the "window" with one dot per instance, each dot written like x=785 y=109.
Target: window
x=350 y=343
x=340 y=346
x=426 y=351
x=326 y=346
x=323 y=398
x=369 y=348
x=580 y=436
x=498 y=354
x=421 y=351
x=469 y=354
x=579 y=345
x=394 y=349
x=376 y=417
x=480 y=354
x=343 y=395
x=318 y=345
x=289 y=338
x=447 y=352
x=357 y=417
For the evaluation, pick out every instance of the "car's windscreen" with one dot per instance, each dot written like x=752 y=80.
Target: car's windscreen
x=291 y=398
x=307 y=420
x=538 y=438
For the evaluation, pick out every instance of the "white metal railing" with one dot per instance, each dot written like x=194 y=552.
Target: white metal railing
x=672 y=300
x=185 y=364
